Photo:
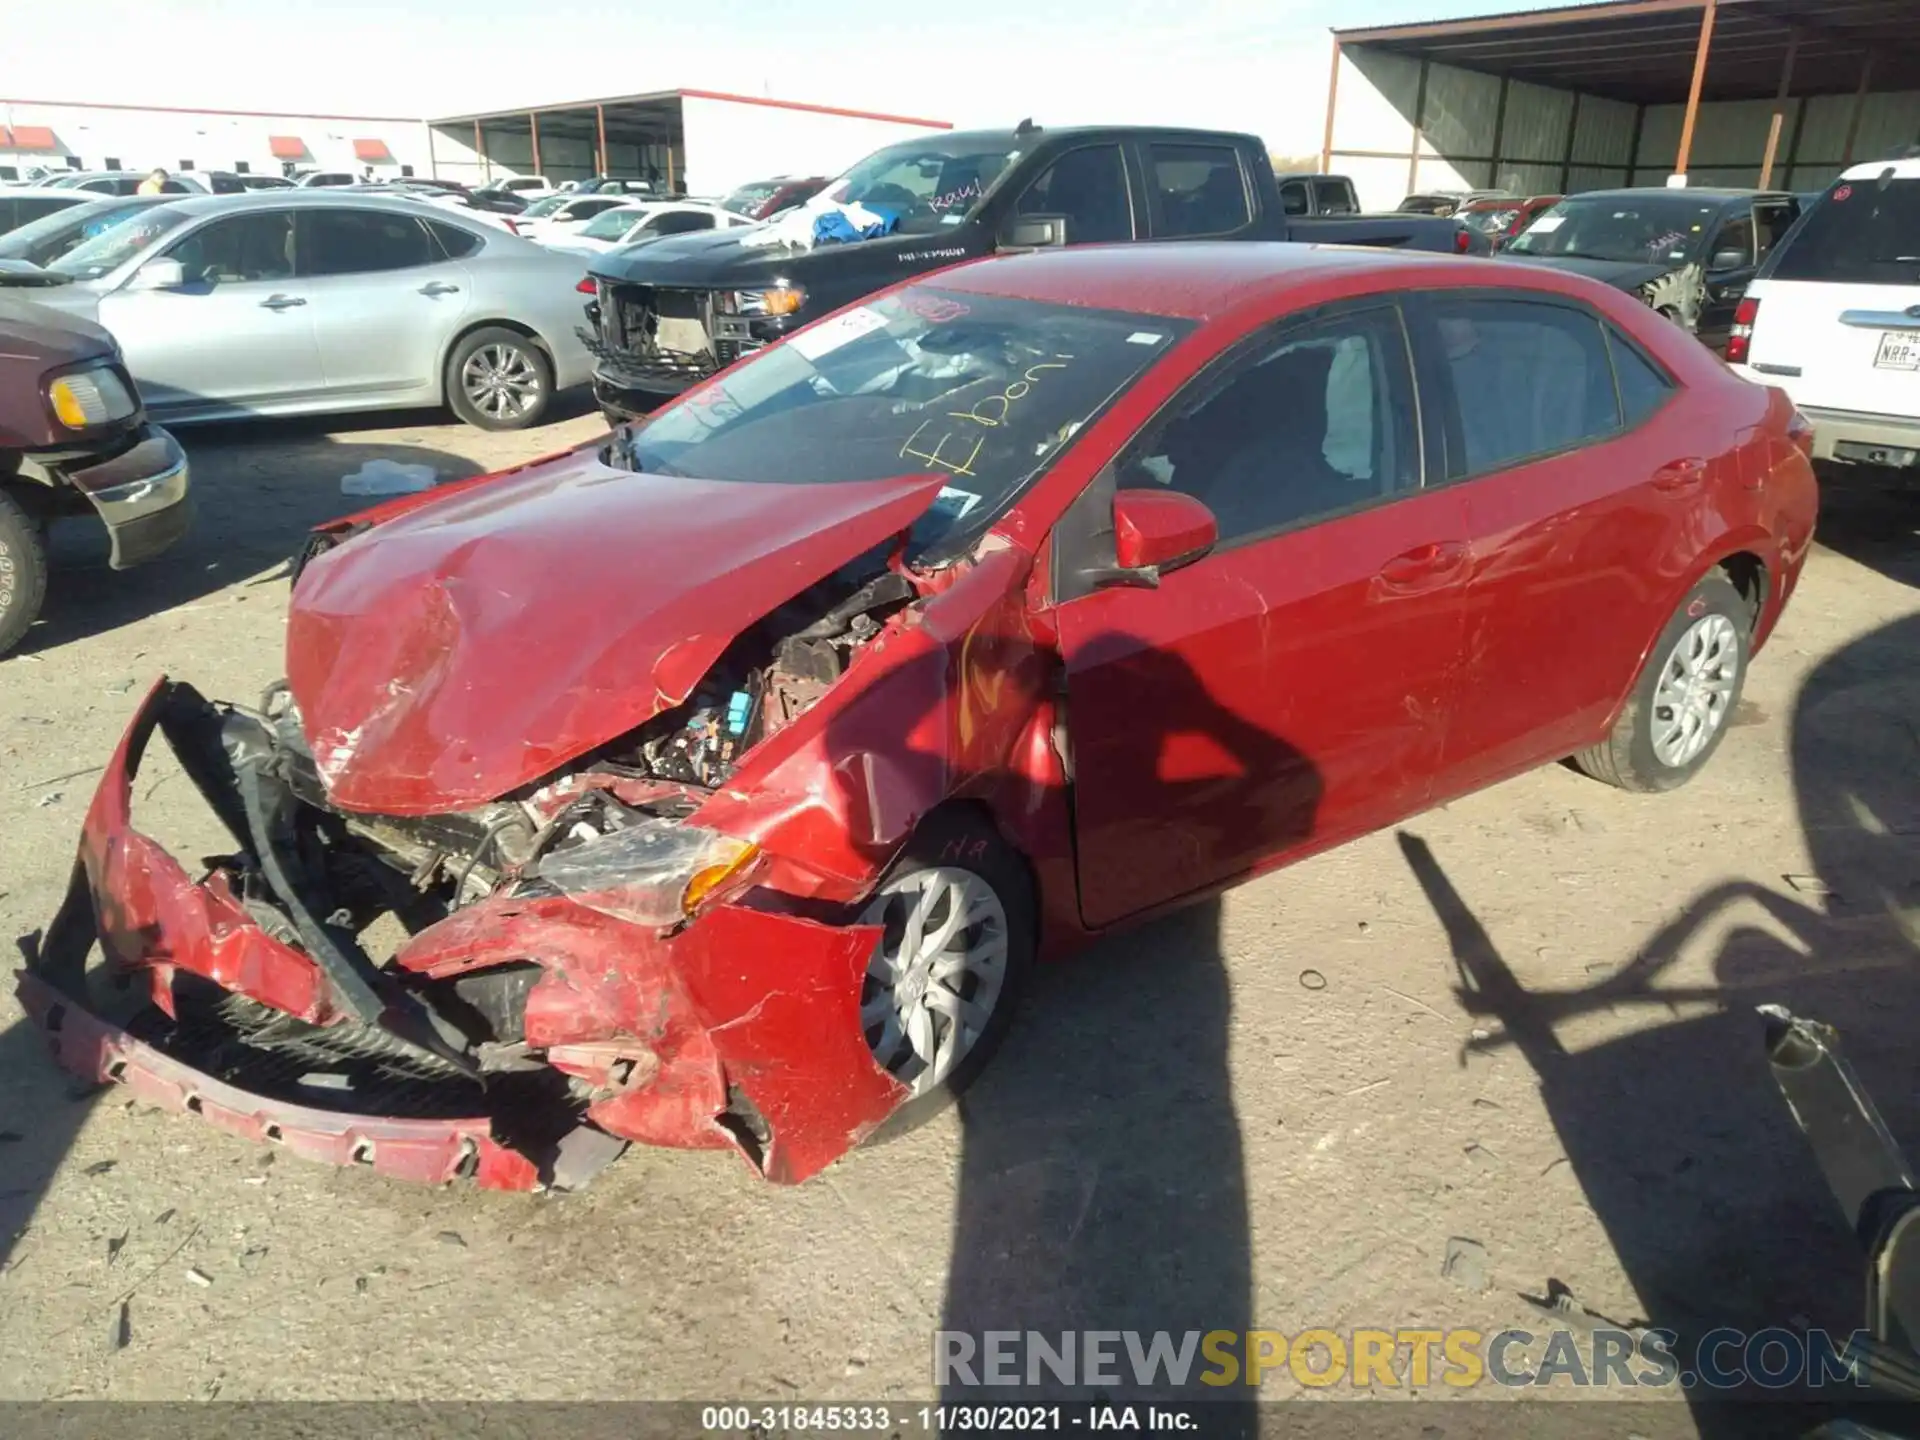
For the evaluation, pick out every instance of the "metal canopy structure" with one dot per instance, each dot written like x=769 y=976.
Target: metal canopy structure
x=649 y=123
x=1644 y=51
x=1671 y=53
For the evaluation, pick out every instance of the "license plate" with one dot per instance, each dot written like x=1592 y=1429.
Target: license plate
x=1899 y=350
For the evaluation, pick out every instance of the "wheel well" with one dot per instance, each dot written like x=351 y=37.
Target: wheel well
x=1748 y=574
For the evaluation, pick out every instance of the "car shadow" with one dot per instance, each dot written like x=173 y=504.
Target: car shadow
x=257 y=488
x=41 y=1111
x=1878 y=528
x=1688 y=1156
x=1102 y=1184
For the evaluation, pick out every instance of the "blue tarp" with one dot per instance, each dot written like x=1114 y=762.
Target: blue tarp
x=834 y=228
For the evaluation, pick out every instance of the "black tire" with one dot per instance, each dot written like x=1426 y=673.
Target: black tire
x=969 y=843
x=514 y=356
x=23 y=572
x=1627 y=757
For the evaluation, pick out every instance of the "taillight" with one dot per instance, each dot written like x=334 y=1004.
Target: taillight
x=1462 y=241
x=587 y=286
x=512 y=229
x=1800 y=434
x=1740 y=337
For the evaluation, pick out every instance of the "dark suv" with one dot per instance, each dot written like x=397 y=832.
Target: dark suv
x=74 y=439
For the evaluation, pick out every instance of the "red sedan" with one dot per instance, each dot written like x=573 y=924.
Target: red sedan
x=719 y=784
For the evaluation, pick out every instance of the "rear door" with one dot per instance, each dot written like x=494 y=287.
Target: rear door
x=1575 y=486
x=386 y=300
x=1838 y=324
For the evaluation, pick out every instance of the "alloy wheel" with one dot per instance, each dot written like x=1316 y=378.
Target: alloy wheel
x=937 y=974
x=1695 y=690
x=501 y=380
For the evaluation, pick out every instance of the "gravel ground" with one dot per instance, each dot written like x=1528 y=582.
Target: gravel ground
x=1525 y=1019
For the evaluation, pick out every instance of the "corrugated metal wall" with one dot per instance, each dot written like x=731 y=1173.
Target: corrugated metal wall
x=1396 y=131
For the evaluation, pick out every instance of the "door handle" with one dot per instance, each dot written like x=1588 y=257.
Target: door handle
x=1430 y=562
x=1680 y=474
x=439 y=287
x=281 y=302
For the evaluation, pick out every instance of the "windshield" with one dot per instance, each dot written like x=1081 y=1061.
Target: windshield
x=612 y=224
x=1657 y=228
x=114 y=248
x=749 y=198
x=928 y=184
x=1865 y=232
x=546 y=206
x=51 y=236
x=981 y=390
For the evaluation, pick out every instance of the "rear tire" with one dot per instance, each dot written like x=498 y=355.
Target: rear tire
x=950 y=860
x=1683 y=700
x=499 y=379
x=23 y=572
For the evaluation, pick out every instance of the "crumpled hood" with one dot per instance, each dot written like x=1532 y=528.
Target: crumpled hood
x=479 y=642
x=1628 y=275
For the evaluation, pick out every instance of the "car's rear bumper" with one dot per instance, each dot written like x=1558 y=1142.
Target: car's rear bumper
x=646 y=1037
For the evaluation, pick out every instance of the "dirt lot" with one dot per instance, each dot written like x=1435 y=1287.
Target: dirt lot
x=1525 y=1019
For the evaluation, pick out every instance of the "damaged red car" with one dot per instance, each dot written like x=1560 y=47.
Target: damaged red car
x=717 y=784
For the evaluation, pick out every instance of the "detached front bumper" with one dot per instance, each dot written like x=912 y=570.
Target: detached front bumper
x=741 y=1029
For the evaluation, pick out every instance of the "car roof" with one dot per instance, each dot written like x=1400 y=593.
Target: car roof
x=1201 y=279
x=1706 y=193
x=297 y=197
x=1907 y=168
x=63 y=191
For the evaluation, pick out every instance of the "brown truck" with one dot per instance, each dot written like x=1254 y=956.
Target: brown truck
x=75 y=439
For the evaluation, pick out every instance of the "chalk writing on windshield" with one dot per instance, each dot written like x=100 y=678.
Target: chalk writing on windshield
x=989 y=412
x=954 y=198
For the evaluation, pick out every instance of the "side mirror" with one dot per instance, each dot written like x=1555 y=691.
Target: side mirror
x=159 y=275
x=1033 y=232
x=1724 y=260
x=1155 y=531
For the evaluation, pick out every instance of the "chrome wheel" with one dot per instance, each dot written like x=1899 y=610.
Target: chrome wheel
x=936 y=975
x=501 y=381
x=1695 y=690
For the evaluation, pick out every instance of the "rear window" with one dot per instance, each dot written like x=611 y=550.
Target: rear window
x=1864 y=232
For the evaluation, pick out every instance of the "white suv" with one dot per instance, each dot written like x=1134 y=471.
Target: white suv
x=1833 y=318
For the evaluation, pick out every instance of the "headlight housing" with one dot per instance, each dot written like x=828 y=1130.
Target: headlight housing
x=84 y=399
x=779 y=299
x=653 y=872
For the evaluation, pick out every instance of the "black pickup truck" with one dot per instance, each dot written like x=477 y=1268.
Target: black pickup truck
x=668 y=312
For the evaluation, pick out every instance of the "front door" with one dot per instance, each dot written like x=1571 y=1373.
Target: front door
x=1291 y=688
x=238 y=330
x=386 y=300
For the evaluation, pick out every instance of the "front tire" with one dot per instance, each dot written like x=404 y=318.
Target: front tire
x=23 y=572
x=1684 y=699
x=499 y=379
x=960 y=933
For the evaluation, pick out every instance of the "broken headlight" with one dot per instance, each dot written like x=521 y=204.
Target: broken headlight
x=778 y=300
x=652 y=872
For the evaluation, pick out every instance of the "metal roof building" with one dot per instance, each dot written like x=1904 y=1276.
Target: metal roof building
x=1778 y=93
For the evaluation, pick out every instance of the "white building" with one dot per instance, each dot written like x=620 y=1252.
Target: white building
x=683 y=138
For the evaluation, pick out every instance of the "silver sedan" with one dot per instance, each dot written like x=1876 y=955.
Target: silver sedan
x=301 y=302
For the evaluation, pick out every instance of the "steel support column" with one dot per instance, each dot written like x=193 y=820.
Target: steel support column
x=1779 y=110
x=480 y=149
x=533 y=119
x=1693 y=94
x=1859 y=105
x=600 y=120
x=433 y=165
x=1333 y=90
x=1499 y=133
x=1419 y=119
x=1573 y=132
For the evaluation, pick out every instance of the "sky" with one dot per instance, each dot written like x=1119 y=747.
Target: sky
x=1258 y=65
